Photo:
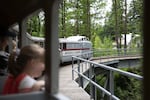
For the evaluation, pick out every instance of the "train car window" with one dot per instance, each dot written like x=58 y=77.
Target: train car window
x=42 y=44
x=73 y=45
x=60 y=46
x=64 y=46
x=70 y=45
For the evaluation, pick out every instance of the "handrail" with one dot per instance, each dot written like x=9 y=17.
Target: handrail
x=111 y=69
x=116 y=52
x=98 y=86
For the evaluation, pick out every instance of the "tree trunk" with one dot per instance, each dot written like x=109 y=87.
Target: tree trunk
x=63 y=18
x=77 y=19
x=125 y=26
x=116 y=24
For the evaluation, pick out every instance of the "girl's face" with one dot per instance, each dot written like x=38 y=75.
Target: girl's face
x=35 y=68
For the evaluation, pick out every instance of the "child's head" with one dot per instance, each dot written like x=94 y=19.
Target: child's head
x=30 y=60
x=4 y=37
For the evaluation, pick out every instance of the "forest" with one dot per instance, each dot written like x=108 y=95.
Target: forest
x=104 y=22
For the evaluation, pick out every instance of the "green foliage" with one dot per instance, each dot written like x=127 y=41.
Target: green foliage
x=77 y=17
x=35 y=25
x=125 y=88
x=97 y=42
x=102 y=43
x=107 y=43
x=115 y=21
x=83 y=17
x=136 y=16
x=37 y=34
x=128 y=88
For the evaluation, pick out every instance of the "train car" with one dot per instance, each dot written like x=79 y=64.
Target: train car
x=68 y=47
x=74 y=46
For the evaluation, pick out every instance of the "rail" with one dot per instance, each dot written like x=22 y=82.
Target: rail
x=110 y=93
x=103 y=53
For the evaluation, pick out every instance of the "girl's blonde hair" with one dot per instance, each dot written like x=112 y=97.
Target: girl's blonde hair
x=17 y=62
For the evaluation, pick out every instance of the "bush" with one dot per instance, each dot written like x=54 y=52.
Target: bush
x=128 y=88
x=125 y=88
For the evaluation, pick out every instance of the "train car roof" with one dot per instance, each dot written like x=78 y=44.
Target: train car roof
x=62 y=40
x=34 y=38
x=74 y=39
x=65 y=40
x=77 y=38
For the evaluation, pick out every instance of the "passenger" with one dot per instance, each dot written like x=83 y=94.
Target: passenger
x=4 y=39
x=14 y=46
x=23 y=69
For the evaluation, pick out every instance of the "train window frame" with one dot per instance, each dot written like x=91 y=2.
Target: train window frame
x=64 y=46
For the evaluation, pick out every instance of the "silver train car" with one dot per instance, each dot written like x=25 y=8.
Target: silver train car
x=72 y=46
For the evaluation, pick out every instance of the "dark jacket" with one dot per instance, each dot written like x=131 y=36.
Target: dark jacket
x=3 y=62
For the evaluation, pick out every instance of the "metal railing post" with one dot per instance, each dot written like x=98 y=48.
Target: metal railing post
x=72 y=68
x=82 y=67
x=111 y=84
x=80 y=80
x=105 y=85
x=91 y=85
x=95 y=92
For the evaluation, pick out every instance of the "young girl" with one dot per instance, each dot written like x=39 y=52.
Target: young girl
x=23 y=69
